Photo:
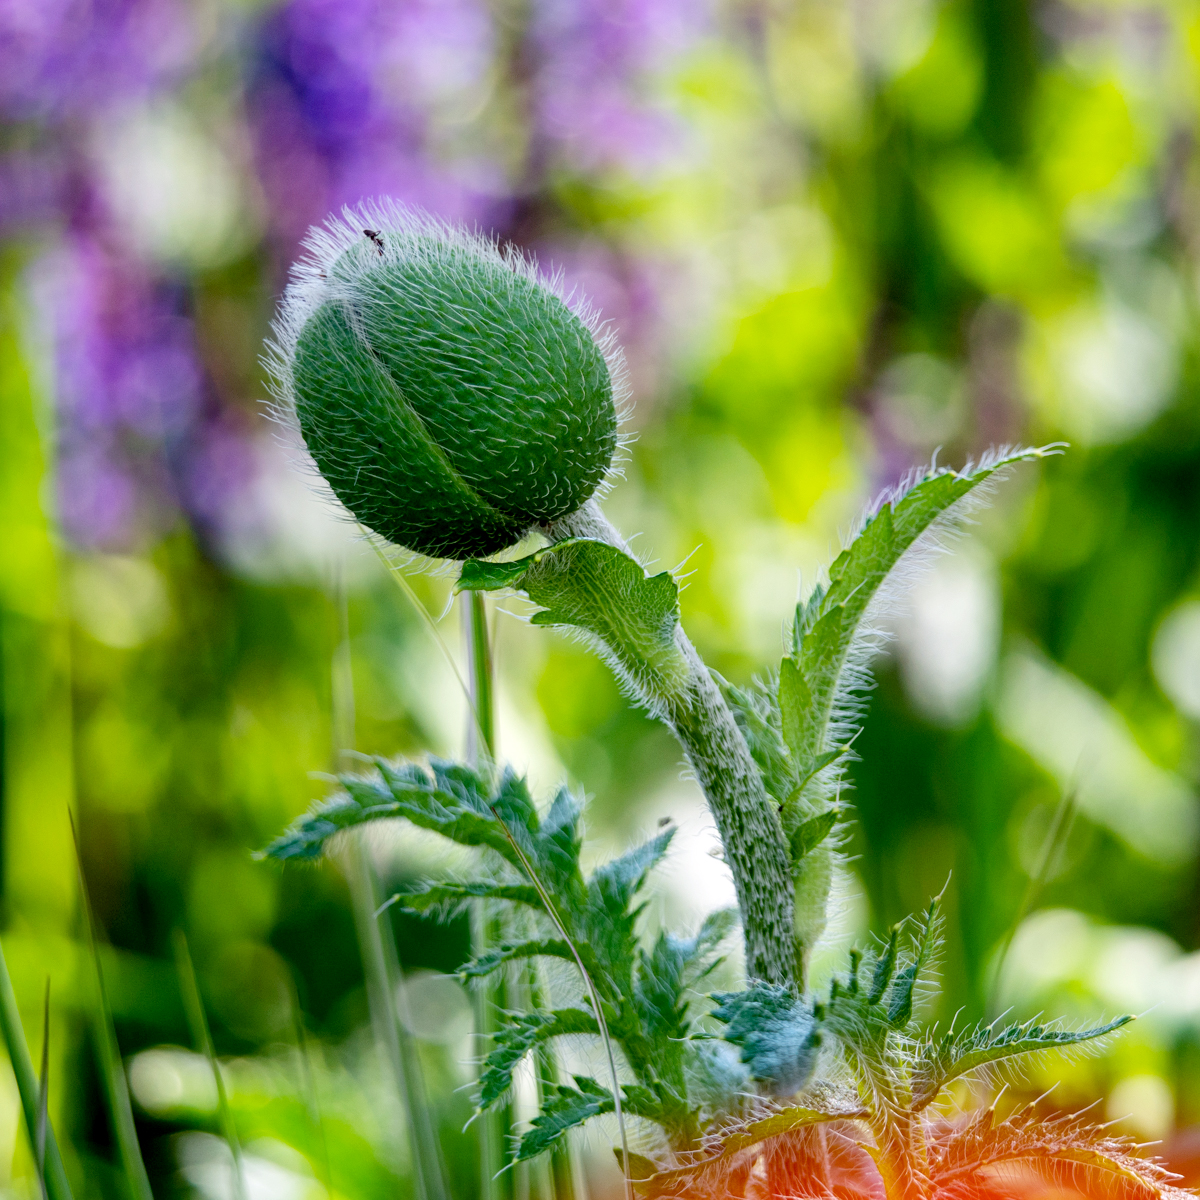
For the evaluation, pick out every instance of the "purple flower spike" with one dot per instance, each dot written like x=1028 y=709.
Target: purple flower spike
x=344 y=103
x=127 y=387
x=599 y=64
x=60 y=59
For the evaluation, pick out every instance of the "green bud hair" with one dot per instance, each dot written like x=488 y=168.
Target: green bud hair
x=451 y=397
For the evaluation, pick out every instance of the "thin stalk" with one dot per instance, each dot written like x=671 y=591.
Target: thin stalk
x=380 y=966
x=54 y=1177
x=382 y=976
x=430 y=624
x=1052 y=847
x=108 y=1050
x=308 y=1088
x=552 y=912
x=202 y=1036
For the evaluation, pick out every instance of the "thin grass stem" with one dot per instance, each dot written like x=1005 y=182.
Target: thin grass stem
x=430 y=624
x=54 y=1177
x=1052 y=847
x=380 y=965
x=593 y=995
x=44 y=1091
x=308 y=1088
x=382 y=977
x=202 y=1036
x=108 y=1050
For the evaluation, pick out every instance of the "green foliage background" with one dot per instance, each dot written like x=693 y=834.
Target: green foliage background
x=878 y=250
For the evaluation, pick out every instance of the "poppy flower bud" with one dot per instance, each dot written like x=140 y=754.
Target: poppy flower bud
x=451 y=398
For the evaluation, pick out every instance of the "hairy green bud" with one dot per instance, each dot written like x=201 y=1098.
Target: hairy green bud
x=449 y=395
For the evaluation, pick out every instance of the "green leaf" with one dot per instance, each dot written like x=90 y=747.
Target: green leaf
x=520 y=1034
x=563 y=1109
x=756 y=710
x=900 y=998
x=607 y=923
x=814 y=681
x=665 y=980
x=955 y=1054
x=639 y=1166
x=807 y=771
x=810 y=834
x=448 y=897
x=598 y=589
x=775 y=1031
x=557 y=845
x=868 y=1020
x=786 y=1120
x=749 y=1133
x=615 y=884
x=448 y=798
x=490 y=960
x=885 y=967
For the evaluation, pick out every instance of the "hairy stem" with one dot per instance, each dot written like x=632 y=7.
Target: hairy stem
x=747 y=819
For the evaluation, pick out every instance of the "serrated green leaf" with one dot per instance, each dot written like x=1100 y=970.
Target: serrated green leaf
x=620 y=879
x=900 y=996
x=939 y=1061
x=868 y=1020
x=451 y=896
x=607 y=923
x=564 y=1108
x=599 y=589
x=665 y=980
x=751 y=1133
x=797 y=1116
x=775 y=1031
x=520 y=1034
x=885 y=967
x=811 y=679
x=557 y=846
x=507 y=952
x=448 y=798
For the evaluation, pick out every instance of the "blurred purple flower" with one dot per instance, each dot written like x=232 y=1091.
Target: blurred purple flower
x=63 y=58
x=598 y=65
x=127 y=387
x=344 y=105
x=133 y=417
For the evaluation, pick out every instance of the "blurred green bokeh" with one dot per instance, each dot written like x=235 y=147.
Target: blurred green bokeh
x=891 y=230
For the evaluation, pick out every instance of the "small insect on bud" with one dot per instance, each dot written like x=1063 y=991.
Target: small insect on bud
x=449 y=395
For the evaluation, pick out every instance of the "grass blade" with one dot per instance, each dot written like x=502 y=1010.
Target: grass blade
x=1052 y=849
x=380 y=966
x=54 y=1178
x=43 y=1117
x=381 y=969
x=108 y=1051
x=202 y=1036
x=308 y=1087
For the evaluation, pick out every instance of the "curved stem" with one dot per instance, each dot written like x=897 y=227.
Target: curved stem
x=747 y=819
